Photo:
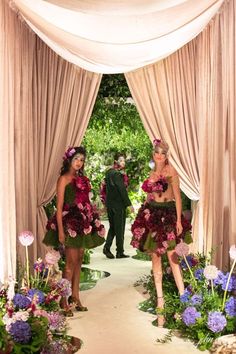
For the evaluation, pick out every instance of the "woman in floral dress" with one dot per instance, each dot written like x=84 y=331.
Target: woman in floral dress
x=76 y=223
x=159 y=224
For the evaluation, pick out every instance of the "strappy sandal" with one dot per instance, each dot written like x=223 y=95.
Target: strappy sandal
x=76 y=305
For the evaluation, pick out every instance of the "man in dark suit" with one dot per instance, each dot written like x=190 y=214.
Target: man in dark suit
x=117 y=200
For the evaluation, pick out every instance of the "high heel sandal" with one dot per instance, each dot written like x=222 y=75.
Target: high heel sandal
x=77 y=306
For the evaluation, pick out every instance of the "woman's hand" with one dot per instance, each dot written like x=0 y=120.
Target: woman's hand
x=179 y=228
x=62 y=238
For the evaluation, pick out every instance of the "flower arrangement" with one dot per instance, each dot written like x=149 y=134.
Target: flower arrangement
x=69 y=152
x=207 y=309
x=30 y=315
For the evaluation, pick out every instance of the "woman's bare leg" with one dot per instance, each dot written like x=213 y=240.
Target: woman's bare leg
x=157 y=274
x=76 y=275
x=176 y=270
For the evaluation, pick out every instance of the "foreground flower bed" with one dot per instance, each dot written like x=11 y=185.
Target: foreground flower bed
x=206 y=310
x=31 y=320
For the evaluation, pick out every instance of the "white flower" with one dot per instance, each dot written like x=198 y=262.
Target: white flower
x=20 y=316
x=26 y=238
x=52 y=257
x=232 y=252
x=182 y=249
x=210 y=272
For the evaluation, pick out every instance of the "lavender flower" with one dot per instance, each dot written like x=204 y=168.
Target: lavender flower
x=57 y=322
x=20 y=332
x=230 y=306
x=196 y=299
x=190 y=262
x=186 y=296
x=216 y=321
x=21 y=301
x=198 y=274
x=190 y=315
x=32 y=293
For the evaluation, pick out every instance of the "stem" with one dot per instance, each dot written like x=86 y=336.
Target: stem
x=190 y=270
x=27 y=266
x=49 y=269
x=227 y=284
x=212 y=288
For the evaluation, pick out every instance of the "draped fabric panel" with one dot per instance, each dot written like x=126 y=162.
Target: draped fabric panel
x=116 y=36
x=46 y=103
x=189 y=100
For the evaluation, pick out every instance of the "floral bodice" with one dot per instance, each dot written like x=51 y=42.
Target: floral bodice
x=158 y=186
x=77 y=192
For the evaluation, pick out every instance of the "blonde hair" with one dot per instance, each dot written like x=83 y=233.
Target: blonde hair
x=160 y=144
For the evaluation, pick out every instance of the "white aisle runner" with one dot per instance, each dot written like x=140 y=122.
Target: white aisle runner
x=113 y=323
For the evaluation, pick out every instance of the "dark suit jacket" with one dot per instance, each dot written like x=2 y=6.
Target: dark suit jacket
x=116 y=193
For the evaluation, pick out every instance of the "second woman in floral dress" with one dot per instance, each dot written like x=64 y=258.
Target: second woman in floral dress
x=160 y=225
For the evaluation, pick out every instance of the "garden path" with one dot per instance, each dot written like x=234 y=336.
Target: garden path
x=114 y=324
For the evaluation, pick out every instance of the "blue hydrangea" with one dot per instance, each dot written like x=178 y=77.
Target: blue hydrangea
x=196 y=299
x=39 y=293
x=189 y=259
x=230 y=306
x=232 y=282
x=21 y=301
x=190 y=315
x=198 y=274
x=185 y=297
x=220 y=278
x=20 y=332
x=216 y=321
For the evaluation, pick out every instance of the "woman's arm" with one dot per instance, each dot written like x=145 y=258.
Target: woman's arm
x=178 y=200
x=61 y=183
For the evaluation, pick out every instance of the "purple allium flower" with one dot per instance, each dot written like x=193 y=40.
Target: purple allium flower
x=21 y=301
x=20 y=332
x=190 y=315
x=35 y=292
x=196 y=299
x=232 y=282
x=186 y=296
x=198 y=274
x=216 y=321
x=230 y=306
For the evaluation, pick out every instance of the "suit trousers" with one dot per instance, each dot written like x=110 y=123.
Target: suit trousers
x=117 y=218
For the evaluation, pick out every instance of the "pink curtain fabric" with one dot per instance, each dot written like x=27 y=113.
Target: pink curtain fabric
x=51 y=103
x=189 y=99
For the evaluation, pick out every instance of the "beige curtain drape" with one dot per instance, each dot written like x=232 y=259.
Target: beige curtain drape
x=189 y=100
x=51 y=103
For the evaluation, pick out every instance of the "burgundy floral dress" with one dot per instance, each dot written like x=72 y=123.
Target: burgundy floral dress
x=154 y=229
x=81 y=222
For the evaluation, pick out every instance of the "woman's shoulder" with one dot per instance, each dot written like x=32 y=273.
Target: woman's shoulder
x=171 y=171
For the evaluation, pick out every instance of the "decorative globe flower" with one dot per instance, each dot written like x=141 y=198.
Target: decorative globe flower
x=52 y=257
x=26 y=238
x=232 y=252
x=216 y=321
x=190 y=315
x=20 y=332
x=210 y=272
x=182 y=249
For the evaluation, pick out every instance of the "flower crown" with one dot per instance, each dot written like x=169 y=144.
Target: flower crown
x=158 y=143
x=69 y=153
